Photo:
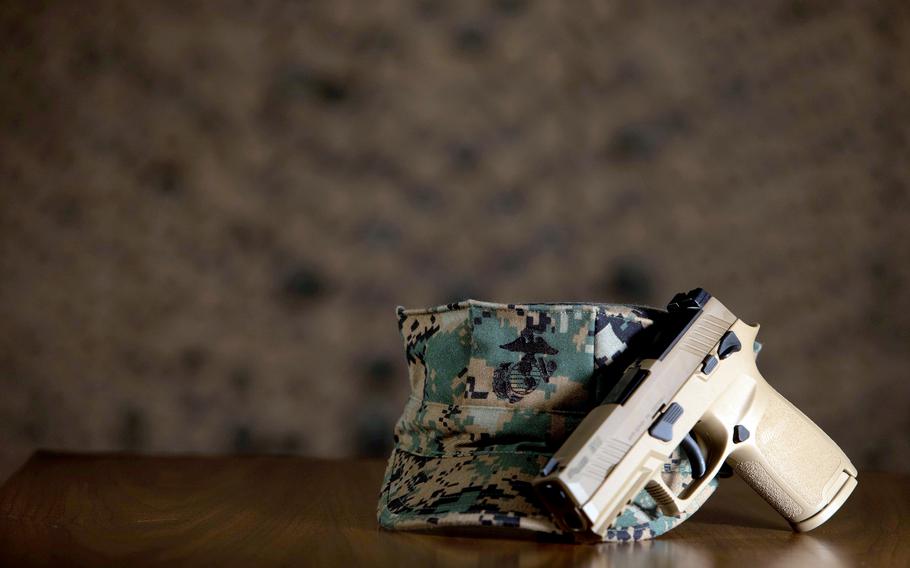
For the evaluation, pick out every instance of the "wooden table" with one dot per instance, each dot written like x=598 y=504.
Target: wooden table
x=127 y=510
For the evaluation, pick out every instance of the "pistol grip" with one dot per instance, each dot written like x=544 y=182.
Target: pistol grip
x=790 y=461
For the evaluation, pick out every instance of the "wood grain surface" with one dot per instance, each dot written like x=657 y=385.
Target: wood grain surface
x=134 y=510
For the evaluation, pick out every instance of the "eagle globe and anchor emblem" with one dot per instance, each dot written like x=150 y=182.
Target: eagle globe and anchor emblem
x=513 y=381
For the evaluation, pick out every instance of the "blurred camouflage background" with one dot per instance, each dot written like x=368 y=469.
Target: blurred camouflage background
x=209 y=211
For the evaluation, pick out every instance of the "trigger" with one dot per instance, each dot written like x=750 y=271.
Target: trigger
x=696 y=458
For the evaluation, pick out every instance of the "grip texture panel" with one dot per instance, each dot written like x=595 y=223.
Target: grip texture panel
x=801 y=455
x=756 y=476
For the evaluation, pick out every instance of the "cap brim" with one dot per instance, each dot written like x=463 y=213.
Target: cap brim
x=494 y=490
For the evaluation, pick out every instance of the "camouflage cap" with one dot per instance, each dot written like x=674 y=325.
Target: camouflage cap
x=495 y=390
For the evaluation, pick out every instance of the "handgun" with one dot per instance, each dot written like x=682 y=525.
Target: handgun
x=694 y=385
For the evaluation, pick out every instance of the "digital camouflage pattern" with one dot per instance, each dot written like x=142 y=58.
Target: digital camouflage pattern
x=495 y=390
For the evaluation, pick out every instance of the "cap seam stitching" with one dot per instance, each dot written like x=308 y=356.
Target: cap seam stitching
x=495 y=306
x=502 y=408
x=470 y=454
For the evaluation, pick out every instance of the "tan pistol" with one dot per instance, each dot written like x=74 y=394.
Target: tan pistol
x=694 y=385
